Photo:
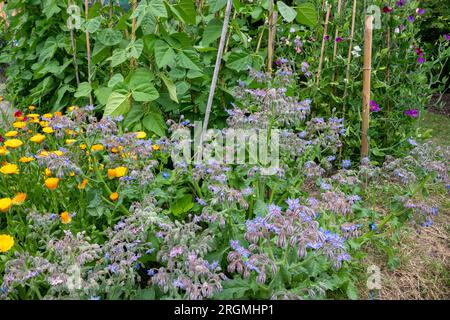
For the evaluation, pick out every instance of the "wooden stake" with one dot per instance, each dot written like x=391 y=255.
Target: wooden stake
x=336 y=34
x=322 y=50
x=88 y=48
x=272 y=21
x=366 y=86
x=215 y=76
x=350 y=49
x=133 y=31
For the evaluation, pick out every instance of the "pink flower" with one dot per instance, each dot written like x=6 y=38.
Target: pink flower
x=374 y=107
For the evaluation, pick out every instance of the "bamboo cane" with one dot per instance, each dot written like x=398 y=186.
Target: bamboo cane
x=271 y=36
x=215 y=76
x=88 y=48
x=366 y=86
x=133 y=30
x=350 y=49
x=336 y=34
x=322 y=50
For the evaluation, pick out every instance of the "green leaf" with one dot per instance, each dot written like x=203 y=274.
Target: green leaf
x=157 y=8
x=171 y=88
x=186 y=9
x=307 y=14
x=181 y=205
x=352 y=291
x=109 y=37
x=102 y=94
x=92 y=25
x=134 y=115
x=239 y=61
x=135 y=48
x=186 y=58
x=50 y=8
x=115 y=79
x=286 y=12
x=154 y=121
x=118 y=104
x=145 y=92
x=84 y=89
x=119 y=56
x=212 y=32
x=164 y=54
x=233 y=289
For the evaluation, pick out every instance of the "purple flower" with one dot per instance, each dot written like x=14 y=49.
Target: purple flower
x=338 y=39
x=421 y=59
x=346 y=164
x=327 y=37
x=420 y=11
x=374 y=107
x=400 y=3
x=447 y=37
x=413 y=113
x=411 y=18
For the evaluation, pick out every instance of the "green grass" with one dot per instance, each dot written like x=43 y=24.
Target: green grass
x=439 y=124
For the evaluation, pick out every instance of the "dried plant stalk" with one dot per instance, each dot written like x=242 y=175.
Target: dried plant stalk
x=322 y=50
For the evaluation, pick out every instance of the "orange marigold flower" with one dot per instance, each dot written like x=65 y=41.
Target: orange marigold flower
x=65 y=217
x=121 y=171
x=114 y=196
x=19 y=198
x=97 y=147
x=51 y=183
x=83 y=184
x=111 y=173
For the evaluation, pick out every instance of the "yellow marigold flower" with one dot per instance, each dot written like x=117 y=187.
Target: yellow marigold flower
x=65 y=217
x=6 y=243
x=5 y=204
x=114 y=196
x=72 y=174
x=1 y=98
x=26 y=159
x=43 y=124
x=47 y=116
x=48 y=130
x=48 y=172
x=13 y=143
x=11 y=134
x=31 y=108
x=19 y=124
x=141 y=135
x=111 y=173
x=59 y=153
x=9 y=169
x=70 y=141
x=33 y=115
x=3 y=151
x=155 y=147
x=121 y=171
x=37 y=138
x=71 y=108
x=82 y=146
x=70 y=132
x=51 y=183
x=97 y=147
x=43 y=154
x=19 y=198
x=83 y=184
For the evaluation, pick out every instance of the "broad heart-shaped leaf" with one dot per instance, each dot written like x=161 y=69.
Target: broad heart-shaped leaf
x=170 y=87
x=239 y=61
x=135 y=115
x=212 y=32
x=164 y=54
x=119 y=56
x=115 y=79
x=286 y=12
x=145 y=92
x=139 y=77
x=102 y=94
x=186 y=8
x=92 y=25
x=181 y=205
x=135 y=48
x=218 y=4
x=118 y=104
x=154 y=122
x=84 y=89
x=187 y=59
x=157 y=8
x=109 y=37
x=50 y=8
x=307 y=14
